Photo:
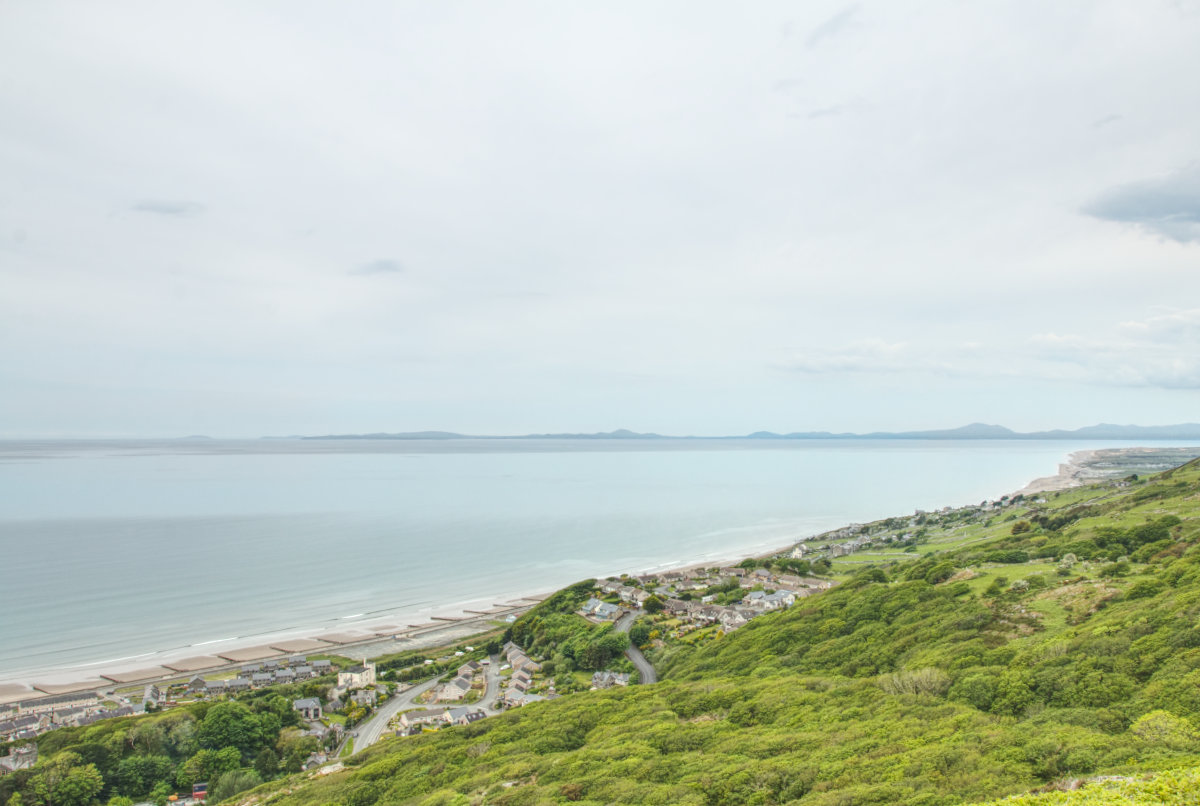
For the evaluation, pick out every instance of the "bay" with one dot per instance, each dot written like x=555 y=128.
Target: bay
x=140 y=550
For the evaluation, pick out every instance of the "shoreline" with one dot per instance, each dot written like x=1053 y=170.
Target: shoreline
x=441 y=624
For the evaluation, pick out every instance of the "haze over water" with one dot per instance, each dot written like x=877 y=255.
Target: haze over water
x=141 y=550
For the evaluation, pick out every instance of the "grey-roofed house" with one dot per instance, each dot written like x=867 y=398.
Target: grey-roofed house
x=238 y=684
x=284 y=676
x=303 y=672
x=428 y=717
x=322 y=666
x=262 y=679
x=216 y=686
x=309 y=708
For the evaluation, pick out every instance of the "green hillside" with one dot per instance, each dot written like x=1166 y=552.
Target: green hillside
x=1060 y=641
x=1014 y=650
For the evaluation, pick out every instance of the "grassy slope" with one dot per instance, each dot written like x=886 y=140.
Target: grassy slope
x=888 y=689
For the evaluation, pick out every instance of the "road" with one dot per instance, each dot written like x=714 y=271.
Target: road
x=645 y=670
x=373 y=729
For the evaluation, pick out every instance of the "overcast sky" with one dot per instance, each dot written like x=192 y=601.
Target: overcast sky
x=240 y=219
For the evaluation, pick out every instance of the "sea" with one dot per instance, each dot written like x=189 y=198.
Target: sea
x=132 y=552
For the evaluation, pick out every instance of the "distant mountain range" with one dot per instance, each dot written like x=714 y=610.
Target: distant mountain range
x=972 y=431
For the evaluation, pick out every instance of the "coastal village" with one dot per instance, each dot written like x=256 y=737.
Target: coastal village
x=340 y=701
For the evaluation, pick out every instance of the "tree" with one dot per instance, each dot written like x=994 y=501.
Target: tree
x=231 y=724
x=653 y=605
x=267 y=763
x=233 y=782
x=66 y=782
x=207 y=765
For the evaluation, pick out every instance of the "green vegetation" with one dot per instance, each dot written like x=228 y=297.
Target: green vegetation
x=994 y=661
x=151 y=757
x=552 y=630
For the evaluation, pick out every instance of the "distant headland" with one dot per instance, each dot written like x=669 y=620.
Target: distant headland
x=972 y=431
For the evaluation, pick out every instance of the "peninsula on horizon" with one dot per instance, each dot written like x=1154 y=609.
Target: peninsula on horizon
x=972 y=431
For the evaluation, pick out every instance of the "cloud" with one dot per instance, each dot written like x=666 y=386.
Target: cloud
x=1161 y=351
x=826 y=112
x=382 y=266
x=832 y=27
x=179 y=209
x=867 y=355
x=1167 y=205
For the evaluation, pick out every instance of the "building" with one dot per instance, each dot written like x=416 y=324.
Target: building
x=431 y=716
x=357 y=676
x=309 y=708
x=19 y=758
x=45 y=705
x=609 y=679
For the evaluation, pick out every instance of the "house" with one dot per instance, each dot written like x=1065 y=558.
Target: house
x=462 y=715
x=215 y=687
x=357 y=676
x=609 y=679
x=197 y=685
x=365 y=697
x=68 y=716
x=798 y=551
x=456 y=689
x=789 y=581
x=322 y=666
x=469 y=668
x=733 y=571
x=303 y=672
x=309 y=708
x=598 y=609
x=237 y=684
x=19 y=758
x=296 y=660
x=431 y=716
x=285 y=676
x=315 y=760
x=608 y=586
x=779 y=600
x=516 y=699
x=262 y=679
x=471 y=717
x=677 y=607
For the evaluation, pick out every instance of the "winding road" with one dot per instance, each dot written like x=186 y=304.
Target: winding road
x=646 y=672
x=373 y=729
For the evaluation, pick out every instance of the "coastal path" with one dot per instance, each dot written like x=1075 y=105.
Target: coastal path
x=645 y=671
x=372 y=730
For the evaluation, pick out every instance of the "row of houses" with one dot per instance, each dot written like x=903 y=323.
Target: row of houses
x=30 y=726
x=463 y=682
x=46 y=705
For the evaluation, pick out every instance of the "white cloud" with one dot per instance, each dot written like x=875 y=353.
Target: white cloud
x=1161 y=351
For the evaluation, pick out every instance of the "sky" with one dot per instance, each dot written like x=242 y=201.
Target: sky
x=244 y=219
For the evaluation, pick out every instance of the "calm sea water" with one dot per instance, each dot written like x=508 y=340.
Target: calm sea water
x=123 y=549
